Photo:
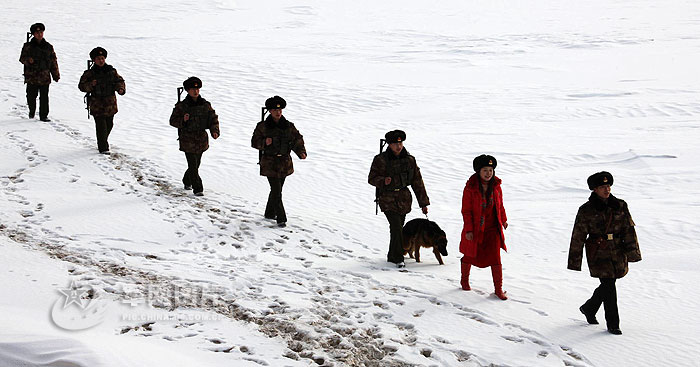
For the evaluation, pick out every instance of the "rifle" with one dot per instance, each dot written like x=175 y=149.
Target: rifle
x=378 y=191
x=262 y=118
x=29 y=36
x=87 y=97
x=179 y=92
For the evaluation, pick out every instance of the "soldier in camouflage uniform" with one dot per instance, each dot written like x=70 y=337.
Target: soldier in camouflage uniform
x=101 y=81
x=604 y=227
x=391 y=173
x=192 y=117
x=40 y=65
x=276 y=138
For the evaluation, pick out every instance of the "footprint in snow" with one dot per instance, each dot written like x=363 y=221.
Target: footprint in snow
x=479 y=318
x=440 y=339
x=575 y=355
x=537 y=341
x=519 y=301
x=514 y=339
x=541 y=313
x=382 y=316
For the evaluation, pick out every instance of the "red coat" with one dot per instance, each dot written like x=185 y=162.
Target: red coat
x=471 y=214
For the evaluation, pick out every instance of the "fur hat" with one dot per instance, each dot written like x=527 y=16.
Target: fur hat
x=192 y=82
x=98 y=51
x=599 y=179
x=275 y=102
x=395 y=136
x=484 y=160
x=36 y=27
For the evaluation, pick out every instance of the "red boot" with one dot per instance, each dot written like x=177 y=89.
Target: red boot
x=465 y=275
x=497 y=274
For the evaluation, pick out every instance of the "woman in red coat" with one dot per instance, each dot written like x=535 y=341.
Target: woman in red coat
x=484 y=221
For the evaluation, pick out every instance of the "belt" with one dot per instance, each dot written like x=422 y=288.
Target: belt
x=399 y=189
x=611 y=236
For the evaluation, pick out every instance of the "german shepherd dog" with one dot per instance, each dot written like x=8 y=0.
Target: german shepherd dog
x=421 y=232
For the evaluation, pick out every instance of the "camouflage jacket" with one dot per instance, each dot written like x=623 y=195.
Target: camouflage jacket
x=610 y=258
x=102 y=100
x=276 y=159
x=396 y=197
x=44 y=63
x=192 y=134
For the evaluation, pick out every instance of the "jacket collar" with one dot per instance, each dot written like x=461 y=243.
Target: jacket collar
x=190 y=102
x=473 y=182
x=281 y=124
x=43 y=43
x=390 y=155
x=600 y=205
x=102 y=69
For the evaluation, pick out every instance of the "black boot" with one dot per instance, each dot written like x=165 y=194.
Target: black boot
x=589 y=316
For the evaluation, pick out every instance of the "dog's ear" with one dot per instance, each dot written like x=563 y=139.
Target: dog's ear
x=442 y=246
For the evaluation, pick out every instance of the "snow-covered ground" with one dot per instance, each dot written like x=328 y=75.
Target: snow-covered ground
x=556 y=90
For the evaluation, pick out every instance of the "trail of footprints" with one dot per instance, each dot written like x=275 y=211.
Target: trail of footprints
x=214 y=215
x=13 y=184
x=349 y=310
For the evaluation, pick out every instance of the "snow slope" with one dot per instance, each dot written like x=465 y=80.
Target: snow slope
x=555 y=90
